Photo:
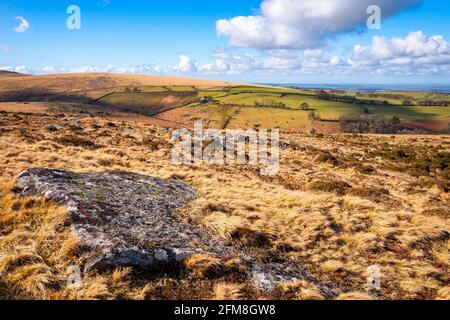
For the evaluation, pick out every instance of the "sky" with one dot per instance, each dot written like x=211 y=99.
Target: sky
x=263 y=41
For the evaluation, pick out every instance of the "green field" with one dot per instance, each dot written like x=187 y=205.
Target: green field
x=135 y=99
x=412 y=113
x=148 y=103
x=266 y=118
x=334 y=110
x=269 y=107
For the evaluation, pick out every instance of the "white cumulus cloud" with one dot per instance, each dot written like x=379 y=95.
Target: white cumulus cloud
x=186 y=64
x=415 y=51
x=23 y=25
x=301 y=24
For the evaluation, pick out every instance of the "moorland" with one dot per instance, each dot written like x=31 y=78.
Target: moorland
x=363 y=181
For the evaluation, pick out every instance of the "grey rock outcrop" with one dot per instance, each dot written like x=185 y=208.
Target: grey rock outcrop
x=127 y=220
x=123 y=219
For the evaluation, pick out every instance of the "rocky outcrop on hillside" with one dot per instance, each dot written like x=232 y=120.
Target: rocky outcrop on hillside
x=127 y=220
x=124 y=219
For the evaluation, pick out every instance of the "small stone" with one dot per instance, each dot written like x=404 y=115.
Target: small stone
x=76 y=123
x=161 y=255
x=53 y=127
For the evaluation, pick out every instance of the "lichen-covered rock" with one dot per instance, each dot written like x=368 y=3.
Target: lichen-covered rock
x=127 y=220
x=124 y=219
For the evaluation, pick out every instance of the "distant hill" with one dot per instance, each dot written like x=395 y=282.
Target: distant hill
x=98 y=81
x=10 y=73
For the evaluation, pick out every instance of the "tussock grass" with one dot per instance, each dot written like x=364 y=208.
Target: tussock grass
x=228 y=291
x=339 y=187
x=74 y=141
x=204 y=266
x=33 y=224
x=355 y=296
x=252 y=238
x=301 y=290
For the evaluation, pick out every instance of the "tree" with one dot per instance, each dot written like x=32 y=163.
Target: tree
x=407 y=102
x=365 y=110
x=305 y=106
x=313 y=116
x=322 y=95
x=395 y=120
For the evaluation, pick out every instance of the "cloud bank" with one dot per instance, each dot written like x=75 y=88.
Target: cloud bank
x=415 y=54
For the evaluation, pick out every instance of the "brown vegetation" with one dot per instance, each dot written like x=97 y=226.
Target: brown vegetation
x=340 y=204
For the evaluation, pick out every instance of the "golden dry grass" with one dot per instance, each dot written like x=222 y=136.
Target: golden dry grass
x=301 y=290
x=88 y=82
x=336 y=236
x=228 y=291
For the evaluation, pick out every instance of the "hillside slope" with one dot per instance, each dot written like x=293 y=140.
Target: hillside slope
x=84 y=82
x=9 y=73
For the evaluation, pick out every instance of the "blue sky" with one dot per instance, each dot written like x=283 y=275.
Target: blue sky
x=181 y=38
